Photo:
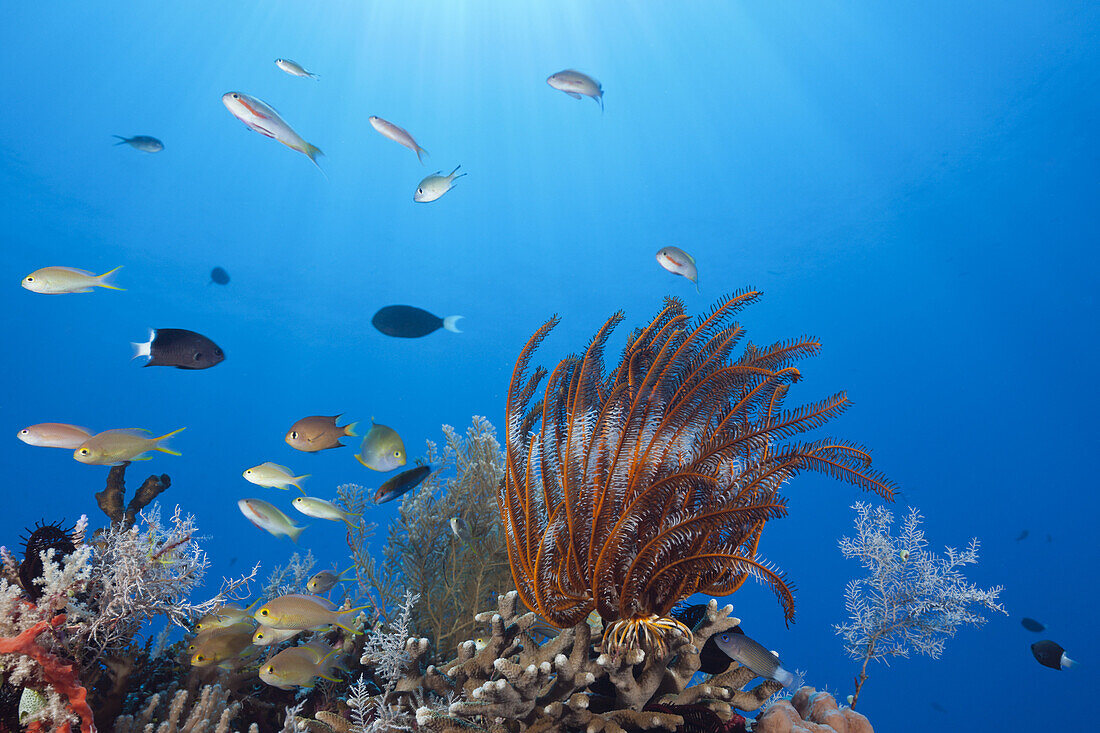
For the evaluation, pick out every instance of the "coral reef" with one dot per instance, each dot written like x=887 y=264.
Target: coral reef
x=810 y=711
x=627 y=492
x=912 y=600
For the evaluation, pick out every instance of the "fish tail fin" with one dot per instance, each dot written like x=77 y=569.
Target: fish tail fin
x=164 y=448
x=1068 y=663
x=101 y=280
x=452 y=175
x=312 y=151
x=600 y=100
x=451 y=323
x=349 y=429
x=121 y=140
x=420 y=150
x=295 y=532
x=697 y=286
x=145 y=348
x=347 y=618
x=295 y=479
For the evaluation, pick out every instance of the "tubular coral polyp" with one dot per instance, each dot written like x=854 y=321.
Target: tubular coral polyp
x=629 y=490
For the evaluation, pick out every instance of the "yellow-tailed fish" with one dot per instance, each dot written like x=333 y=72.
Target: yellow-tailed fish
x=59 y=280
x=266 y=636
x=298 y=611
x=224 y=615
x=262 y=118
x=297 y=667
x=397 y=134
x=294 y=68
x=576 y=84
x=54 y=435
x=318 y=432
x=220 y=645
x=269 y=518
x=273 y=476
x=434 y=186
x=382 y=449
x=326 y=580
x=113 y=447
x=321 y=509
x=679 y=262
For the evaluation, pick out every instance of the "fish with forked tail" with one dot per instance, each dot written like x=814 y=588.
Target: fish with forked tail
x=261 y=117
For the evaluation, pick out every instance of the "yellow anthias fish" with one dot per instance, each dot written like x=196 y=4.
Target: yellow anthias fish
x=321 y=509
x=326 y=580
x=61 y=280
x=273 y=476
x=220 y=645
x=262 y=118
x=225 y=615
x=297 y=666
x=266 y=636
x=298 y=611
x=113 y=447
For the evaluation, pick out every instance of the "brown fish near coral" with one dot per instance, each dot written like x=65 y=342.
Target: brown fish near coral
x=318 y=432
x=627 y=491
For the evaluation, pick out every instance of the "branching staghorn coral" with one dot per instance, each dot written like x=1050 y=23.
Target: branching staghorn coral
x=913 y=600
x=628 y=491
x=453 y=577
x=210 y=712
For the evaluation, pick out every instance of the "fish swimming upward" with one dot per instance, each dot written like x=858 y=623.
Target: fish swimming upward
x=262 y=118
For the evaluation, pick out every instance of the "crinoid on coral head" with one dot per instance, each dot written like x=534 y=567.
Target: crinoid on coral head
x=630 y=490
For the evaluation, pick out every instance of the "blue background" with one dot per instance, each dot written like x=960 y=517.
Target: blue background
x=915 y=183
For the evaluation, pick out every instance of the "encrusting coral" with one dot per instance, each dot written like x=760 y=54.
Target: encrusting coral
x=629 y=491
x=810 y=711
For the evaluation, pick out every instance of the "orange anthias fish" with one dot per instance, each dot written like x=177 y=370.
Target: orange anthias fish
x=262 y=118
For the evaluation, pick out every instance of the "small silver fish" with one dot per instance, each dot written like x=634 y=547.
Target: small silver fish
x=144 y=143
x=311 y=506
x=576 y=84
x=326 y=580
x=397 y=134
x=460 y=529
x=433 y=187
x=294 y=68
x=679 y=262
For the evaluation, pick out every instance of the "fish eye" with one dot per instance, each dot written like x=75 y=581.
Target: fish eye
x=24 y=431
x=30 y=278
x=236 y=96
x=263 y=612
x=420 y=190
x=200 y=658
x=259 y=634
x=725 y=637
x=217 y=352
x=293 y=434
x=270 y=669
x=83 y=451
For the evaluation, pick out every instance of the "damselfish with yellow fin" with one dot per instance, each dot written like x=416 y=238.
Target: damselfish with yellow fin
x=319 y=432
x=382 y=449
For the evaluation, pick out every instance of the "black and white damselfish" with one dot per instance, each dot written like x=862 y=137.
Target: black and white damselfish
x=179 y=348
x=409 y=322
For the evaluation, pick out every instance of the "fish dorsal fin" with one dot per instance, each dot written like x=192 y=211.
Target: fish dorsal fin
x=136 y=432
x=76 y=270
x=277 y=467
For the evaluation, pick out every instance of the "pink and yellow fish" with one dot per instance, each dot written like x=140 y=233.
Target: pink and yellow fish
x=262 y=118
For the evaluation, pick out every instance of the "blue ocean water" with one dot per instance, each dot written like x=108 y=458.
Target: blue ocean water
x=914 y=183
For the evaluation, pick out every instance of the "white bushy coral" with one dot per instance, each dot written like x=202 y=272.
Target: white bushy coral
x=913 y=600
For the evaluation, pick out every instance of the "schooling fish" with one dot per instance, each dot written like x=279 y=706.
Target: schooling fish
x=297 y=666
x=318 y=432
x=382 y=449
x=325 y=581
x=262 y=118
x=144 y=143
x=273 y=476
x=305 y=612
x=402 y=482
x=321 y=509
x=434 y=186
x=219 y=275
x=576 y=84
x=269 y=518
x=224 y=615
x=679 y=262
x=1032 y=625
x=294 y=68
x=59 y=280
x=112 y=447
x=754 y=656
x=221 y=645
x=266 y=636
x=54 y=435
x=397 y=134
x=179 y=348
x=408 y=322
x=1050 y=654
